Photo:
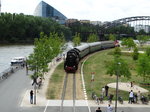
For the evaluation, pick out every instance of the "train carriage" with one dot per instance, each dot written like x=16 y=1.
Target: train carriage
x=83 y=50
x=77 y=53
x=95 y=46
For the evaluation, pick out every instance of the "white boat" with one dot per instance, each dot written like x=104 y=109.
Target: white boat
x=18 y=60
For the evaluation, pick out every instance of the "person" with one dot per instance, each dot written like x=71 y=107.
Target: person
x=135 y=98
x=131 y=84
x=106 y=90
x=39 y=82
x=92 y=78
x=138 y=96
x=103 y=91
x=98 y=109
x=131 y=96
x=31 y=96
x=109 y=108
x=110 y=98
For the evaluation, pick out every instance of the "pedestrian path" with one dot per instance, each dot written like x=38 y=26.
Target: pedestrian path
x=69 y=103
x=41 y=93
x=127 y=87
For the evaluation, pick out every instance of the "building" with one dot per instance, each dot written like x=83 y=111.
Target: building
x=45 y=10
x=84 y=21
x=96 y=23
x=69 y=21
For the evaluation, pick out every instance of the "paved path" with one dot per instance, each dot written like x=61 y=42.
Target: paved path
x=12 y=90
x=127 y=87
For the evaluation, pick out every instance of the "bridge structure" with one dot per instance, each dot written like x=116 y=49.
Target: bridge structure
x=138 y=22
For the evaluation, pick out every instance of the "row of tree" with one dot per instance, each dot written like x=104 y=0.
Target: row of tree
x=45 y=49
x=20 y=28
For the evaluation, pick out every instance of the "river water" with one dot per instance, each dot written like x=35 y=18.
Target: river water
x=11 y=51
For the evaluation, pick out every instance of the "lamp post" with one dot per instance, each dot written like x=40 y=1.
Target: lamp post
x=117 y=76
x=35 y=83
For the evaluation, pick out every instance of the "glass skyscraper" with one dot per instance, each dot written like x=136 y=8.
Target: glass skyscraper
x=45 y=10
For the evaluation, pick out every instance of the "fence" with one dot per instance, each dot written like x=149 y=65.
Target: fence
x=6 y=73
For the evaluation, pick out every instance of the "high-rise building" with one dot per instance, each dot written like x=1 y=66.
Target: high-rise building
x=45 y=10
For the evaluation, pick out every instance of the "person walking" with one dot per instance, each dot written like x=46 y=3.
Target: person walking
x=109 y=108
x=103 y=91
x=138 y=97
x=98 y=110
x=106 y=90
x=31 y=96
x=131 y=96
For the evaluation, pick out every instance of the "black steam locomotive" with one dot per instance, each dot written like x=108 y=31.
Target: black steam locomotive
x=77 y=53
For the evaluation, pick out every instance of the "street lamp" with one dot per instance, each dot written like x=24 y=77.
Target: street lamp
x=117 y=76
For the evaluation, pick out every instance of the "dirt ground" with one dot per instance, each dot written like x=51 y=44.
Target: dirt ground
x=69 y=89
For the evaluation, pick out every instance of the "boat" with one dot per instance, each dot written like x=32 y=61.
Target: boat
x=18 y=61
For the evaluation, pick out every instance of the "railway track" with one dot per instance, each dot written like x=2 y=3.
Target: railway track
x=64 y=91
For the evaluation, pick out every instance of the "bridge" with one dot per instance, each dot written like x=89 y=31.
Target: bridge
x=138 y=22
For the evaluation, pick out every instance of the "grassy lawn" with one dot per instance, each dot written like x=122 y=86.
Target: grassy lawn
x=55 y=83
x=98 y=63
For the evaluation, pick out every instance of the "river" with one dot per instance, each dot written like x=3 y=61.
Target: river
x=10 y=51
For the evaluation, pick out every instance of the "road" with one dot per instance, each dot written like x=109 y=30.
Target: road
x=84 y=109
x=12 y=90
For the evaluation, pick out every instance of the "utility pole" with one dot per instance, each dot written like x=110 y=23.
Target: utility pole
x=117 y=76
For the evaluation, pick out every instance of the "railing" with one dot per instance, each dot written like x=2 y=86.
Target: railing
x=6 y=73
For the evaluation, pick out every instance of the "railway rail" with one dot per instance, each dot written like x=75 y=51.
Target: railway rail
x=64 y=91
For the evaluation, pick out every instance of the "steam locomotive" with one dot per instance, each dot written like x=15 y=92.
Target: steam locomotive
x=76 y=54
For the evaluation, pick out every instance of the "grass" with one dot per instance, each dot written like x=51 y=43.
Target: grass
x=98 y=64
x=55 y=86
x=55 y=83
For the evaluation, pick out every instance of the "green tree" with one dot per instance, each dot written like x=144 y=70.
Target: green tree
x=129 y=43
x=46 y=48
x=118 y=66
x=92 y=38
x=148 y=51
x=142 y=39
x=143 y=67
x=76 y=39
x=112 y=37
x=135 y=54
x=117 y=52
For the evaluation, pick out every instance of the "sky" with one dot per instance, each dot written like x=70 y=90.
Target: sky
x=94 y=10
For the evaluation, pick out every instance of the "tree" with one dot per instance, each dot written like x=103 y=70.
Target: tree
x=112 y=37
x=46 y=48
x=142 y=39
x=148 y=51
x=118 y=65
x=92 y=38
x=129 y=43
x=135 y=54
x=143 y=67
x=117 y=52
x=76 y=39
